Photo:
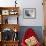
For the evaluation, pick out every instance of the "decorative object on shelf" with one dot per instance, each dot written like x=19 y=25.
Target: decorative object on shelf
x=29 y=13
x=5 y=12
x=7 y=34
x=13 y=12
x=6 y=21
x=15 y=36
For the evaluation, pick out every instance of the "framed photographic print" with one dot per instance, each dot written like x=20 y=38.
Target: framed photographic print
x=5 y=12
x=29 y=13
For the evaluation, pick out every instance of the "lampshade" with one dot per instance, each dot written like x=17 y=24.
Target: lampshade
x=15 y=30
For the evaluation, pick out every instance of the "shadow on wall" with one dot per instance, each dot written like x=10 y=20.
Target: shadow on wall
x=37 y=29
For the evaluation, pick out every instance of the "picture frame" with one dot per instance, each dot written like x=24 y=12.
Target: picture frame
x=5 y=12
x=29 y=13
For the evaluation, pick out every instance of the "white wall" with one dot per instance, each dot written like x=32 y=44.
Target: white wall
x=27 y=4
x=6 y=3
x=39 y=13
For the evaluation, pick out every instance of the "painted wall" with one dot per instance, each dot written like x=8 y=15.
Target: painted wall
x=38 y=21
x=39 y=13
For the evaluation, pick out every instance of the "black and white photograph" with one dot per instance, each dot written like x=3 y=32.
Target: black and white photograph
x=29 y=13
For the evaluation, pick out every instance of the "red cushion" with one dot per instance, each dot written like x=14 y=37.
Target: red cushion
x=29 y=33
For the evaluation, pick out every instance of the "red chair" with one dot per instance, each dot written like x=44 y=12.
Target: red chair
x=29 y=33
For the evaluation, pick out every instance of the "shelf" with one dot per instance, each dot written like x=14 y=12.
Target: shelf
x=11 y=41
x=10 y=19
x=6 y=12
x=9 y=10
x=10 y=26
x=8 y=15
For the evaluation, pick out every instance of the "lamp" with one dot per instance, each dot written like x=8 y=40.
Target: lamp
x=15 y=3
